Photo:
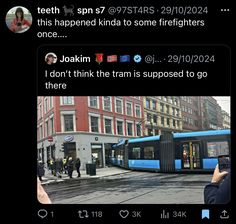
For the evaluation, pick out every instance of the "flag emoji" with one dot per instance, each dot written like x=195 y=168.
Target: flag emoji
x=112 y=58
x=125 y=58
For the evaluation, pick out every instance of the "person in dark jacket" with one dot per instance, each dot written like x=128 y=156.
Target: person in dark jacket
x=40 y=170
x=70 y=166
x=219 y=190
x=77 y=166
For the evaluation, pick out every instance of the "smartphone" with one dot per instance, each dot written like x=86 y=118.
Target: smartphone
x=224 y=163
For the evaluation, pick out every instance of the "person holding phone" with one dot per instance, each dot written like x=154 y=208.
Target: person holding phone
x=19 y=24
x=41 y=194
x=219 y=190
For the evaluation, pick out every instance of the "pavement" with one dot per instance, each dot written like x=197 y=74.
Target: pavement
x=48 y=178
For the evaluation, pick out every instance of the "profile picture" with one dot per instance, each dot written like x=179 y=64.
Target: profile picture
x=50 y=58
x=18 y=19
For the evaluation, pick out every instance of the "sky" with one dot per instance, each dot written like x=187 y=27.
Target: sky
x=224 y=102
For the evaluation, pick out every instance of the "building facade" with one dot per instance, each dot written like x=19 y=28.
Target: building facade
x=200 y=113
x=191 y=114
x=226 y=120
x=162 y=114
x=86 y=126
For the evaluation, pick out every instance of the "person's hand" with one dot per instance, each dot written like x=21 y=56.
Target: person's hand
x=41 y=194
x=218 y=176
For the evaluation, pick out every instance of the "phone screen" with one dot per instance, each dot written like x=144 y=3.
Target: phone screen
x=224 y=163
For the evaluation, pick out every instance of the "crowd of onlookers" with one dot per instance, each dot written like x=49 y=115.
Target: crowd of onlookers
x=59 y=166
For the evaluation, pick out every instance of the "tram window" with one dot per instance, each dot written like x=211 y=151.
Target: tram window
x=136 y=153
x=215 y=149
x=149 y=152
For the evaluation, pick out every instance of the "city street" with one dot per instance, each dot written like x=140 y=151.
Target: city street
x=132 y=187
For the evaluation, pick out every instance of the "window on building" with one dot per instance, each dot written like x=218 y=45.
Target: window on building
x=45 y=105
x=168 y=121
x=148 y=104
x=177 y=113
x=40 y=110
x=52 y=124
x=118 y=105
x=107 y=103
x=149 y=118
x=150 y=132
x=108 y=126
x=67 y=100
x=138 y=111
x=130 y=129
x=154 y=105
x=47 y=129
x=167 y=109
x=165 y=98
x=173 y=111
x=41 y=131
x=174 y=123
x=148 y=152
x=215 y=149
x=162 y=121
x=119 y=126
x=93 y=101
x=138 y=129
x=94 y=126
x=171 y=100
x=136 y=153
x=68 y=122
x=129 y=109
x=162 y=107
x=155 y=119
x=176 y=101
x=50 y=102
x=156 y=132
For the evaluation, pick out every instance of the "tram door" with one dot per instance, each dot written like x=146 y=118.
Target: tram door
x=191 y=155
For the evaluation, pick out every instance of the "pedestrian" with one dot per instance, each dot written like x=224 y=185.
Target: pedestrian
x=77 y=166
x=219 y=190
x=65 y=160
x=58 y=168
x=70 y=167
x=52 y=166
x=40 y=170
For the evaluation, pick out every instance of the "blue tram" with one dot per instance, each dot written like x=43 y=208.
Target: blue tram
x=178 y=152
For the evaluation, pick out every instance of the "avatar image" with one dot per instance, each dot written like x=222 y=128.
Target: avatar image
x=51 y=58
x=18 y=19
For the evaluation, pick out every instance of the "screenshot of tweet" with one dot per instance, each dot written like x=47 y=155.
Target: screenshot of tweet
x=129 y=109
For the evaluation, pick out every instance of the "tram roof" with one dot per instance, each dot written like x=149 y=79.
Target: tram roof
x=202 y=133
x=145 y=139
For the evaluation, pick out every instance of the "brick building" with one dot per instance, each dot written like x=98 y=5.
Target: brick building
x=82 y=126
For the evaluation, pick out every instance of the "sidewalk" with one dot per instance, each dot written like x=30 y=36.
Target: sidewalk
x=48 y=178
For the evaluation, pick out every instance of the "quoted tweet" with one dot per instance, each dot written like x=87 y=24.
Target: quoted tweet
x=64 y=68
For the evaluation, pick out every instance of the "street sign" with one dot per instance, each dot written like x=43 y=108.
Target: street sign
x=50 y=138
